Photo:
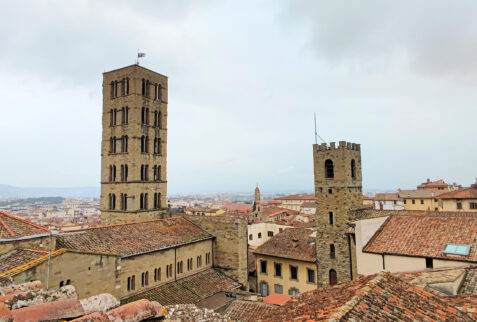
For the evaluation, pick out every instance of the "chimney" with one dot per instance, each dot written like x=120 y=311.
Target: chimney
x=428 y=180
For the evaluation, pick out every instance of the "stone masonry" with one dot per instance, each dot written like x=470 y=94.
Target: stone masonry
x=338 y=191
x=134 y=145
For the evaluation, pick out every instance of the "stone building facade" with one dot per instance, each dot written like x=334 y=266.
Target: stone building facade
x=338 y=192
x=134 y=145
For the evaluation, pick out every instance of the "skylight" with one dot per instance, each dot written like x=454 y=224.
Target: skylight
x=455 y=249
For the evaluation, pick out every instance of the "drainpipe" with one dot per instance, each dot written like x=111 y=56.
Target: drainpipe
x=175 y=263
x=49 y=261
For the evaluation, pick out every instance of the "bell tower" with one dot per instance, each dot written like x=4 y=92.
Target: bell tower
x=338 y=192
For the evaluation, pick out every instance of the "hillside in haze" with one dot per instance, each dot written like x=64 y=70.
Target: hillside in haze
x=7 y=191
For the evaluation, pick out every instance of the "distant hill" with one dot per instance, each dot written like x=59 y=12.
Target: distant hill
x=7 y=191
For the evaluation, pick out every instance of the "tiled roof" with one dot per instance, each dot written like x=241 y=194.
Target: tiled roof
x=242 y=207
x=249 y=311
x=467 y=193
x=469 y=284
x=277 y=299
x=381 y=297
x=12 y=227
x=297 y=197
x=375 y=213
x=274 y=211
x=189 y=290
x=134 y=238
x=25 y=265
x=387 y=196
x=293 y=243
x=19 y=257
x=424 y=236
x=466 y=303
x=422 y=194
x=429 y=183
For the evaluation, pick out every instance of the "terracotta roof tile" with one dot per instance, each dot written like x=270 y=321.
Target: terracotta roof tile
x=18 y=257
x=133 y=238
x=467 y=193
x=387 y=196
x=297 y=197
x=467 y=303
x=434 y=184
x=277 y=299
x=424 y=236
x=249 y=311
x=423 y=194
x=381 y=297
x=189 y=290
x=294 y=243
x=12 y=227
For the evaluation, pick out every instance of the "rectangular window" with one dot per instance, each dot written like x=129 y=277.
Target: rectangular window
x=413 y=201
x=422 y=201
x=405 y=201
x=263 y=267
x=429 y=263
x=293 y=272
x=311 y=275
x=278 y=289
x=459 y=204
x=270 y=234
x=293 y=291
x=473 y=205
x=250 y=237
x=278 y=269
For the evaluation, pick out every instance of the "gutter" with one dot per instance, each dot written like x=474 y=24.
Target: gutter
x=27 y=237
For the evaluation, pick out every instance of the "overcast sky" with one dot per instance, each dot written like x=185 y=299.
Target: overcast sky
x=245 y=78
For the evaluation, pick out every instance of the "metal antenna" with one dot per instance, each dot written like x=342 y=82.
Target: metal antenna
x=316 y=133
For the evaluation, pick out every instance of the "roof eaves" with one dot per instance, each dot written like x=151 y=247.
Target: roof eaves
x=21 y=268
x=168 y=247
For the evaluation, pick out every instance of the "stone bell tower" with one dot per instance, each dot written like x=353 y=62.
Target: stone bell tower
x=338 y=192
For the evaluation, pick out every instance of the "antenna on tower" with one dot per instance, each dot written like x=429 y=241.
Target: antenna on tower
x=316 y=133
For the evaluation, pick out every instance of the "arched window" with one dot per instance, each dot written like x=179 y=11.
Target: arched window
x=332 y=221
x=332 y=251
x=158 y=173
x=127 y=86
x=353 y=169
x=147 y=145
x=159 y=121
x=147 y=88
x=333 y=277
x=112 y=201
x=141 y=201
x=127 y=115
x=143 y=87
x=329 y=169
x=115 y=88
x=114 y=173
x=147 y=116
x=143 y=115
x=111 y=117
x=123 y=87
x=126 y=138
x=123 y=115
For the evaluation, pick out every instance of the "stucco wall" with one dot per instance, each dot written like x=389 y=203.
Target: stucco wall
x=365 y=229
x=263 y=228
x=301 y=283
x=40 y=243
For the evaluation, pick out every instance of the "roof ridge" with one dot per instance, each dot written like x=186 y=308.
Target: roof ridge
x=24 y=221
x=120 y=224
x=360 y=294
x=7 y=228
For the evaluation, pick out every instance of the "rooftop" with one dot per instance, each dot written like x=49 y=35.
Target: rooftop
x=249 y=311
x=387 y=196
x=12 y=227
x=381 y=297
x=297 y=197
x=423 y=194
x=189 y=290
x=19 y=257
x=433 y=184
x=292 y=243
x=133 y=238
x=425 y=236
x=467 y=193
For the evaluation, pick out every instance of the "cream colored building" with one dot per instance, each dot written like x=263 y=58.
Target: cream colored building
x=286 y=264
x=259 y=233
x=406 y=243
x=134 y=145
x=295 y=202
x=423 y=199
x=460 y=200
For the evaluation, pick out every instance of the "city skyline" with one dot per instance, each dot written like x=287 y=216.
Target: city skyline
x=244 y=85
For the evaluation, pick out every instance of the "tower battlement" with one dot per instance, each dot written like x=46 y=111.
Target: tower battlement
x=343 y=145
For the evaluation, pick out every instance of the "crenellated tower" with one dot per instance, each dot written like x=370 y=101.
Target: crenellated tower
x=338 y=192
